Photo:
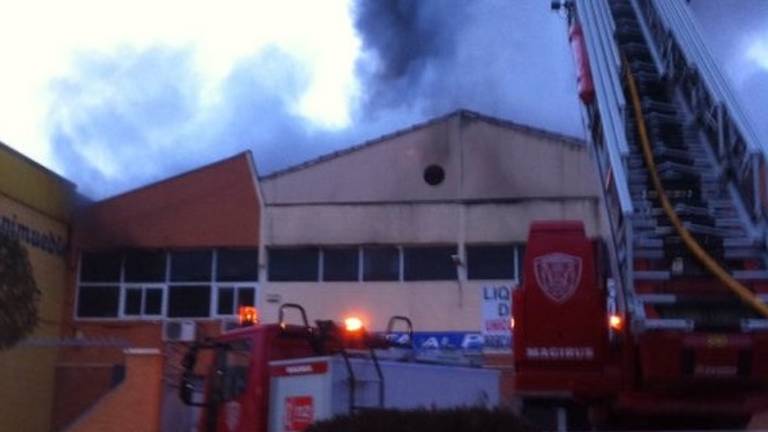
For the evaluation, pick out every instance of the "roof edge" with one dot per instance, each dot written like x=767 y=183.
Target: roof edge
x=565 y=139
x=175 y=177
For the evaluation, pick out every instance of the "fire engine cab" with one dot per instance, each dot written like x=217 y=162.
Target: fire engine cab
x=284 y=377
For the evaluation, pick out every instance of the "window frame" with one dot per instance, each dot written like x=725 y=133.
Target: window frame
x=144 y=287
x=123 y=286
x=358 y=263
x=318 y=263
x=404 y=265
x=236 y=286
x=76 y=309
x=217 y=256
x=519 y=248
x=398 y=249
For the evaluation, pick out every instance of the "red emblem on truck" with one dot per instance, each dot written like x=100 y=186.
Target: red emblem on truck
x=558 y=275
x=299 y=413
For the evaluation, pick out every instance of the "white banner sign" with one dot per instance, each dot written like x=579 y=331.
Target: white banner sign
x=497 y=314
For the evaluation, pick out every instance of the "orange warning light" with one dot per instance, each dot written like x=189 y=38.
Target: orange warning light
x=248 y=315
x=353 y=324
x=615 y=322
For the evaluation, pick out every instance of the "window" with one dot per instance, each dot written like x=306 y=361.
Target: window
x=237 y=363
x=155 y=284
x=230 y=298
x=429 y=263
x=381 y=263
x=191 y=266
x=143 y=301
x=299 y=264
x=491 y=262
x=98 y=301
x=100 y=267
x=189 y=301
x=145 y=266
x=237 y=265
x=340 y=264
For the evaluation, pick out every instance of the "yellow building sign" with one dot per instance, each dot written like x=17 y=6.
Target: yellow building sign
x=34 y=208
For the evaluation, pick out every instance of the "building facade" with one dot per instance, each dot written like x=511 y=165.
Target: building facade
x=35 y=207
x=429 y=223
x=156 y=268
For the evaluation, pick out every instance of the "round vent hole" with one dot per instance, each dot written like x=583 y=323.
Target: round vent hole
x=434 y=175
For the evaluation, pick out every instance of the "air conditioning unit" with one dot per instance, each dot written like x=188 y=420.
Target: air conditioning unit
x=179 y=331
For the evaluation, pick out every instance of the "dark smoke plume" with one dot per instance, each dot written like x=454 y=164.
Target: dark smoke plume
x=401 y=40
x=121 y=121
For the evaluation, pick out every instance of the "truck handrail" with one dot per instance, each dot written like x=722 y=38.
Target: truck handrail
x=284 y=306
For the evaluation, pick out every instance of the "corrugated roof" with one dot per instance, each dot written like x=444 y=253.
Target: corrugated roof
x=565 y=139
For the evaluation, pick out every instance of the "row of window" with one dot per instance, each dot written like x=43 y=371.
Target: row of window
x=206 y=283
x=131 y=301
x=391 y=263
x=155 y=284
x=221 y=265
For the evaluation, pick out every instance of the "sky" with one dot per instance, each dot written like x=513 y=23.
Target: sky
x=113 y=95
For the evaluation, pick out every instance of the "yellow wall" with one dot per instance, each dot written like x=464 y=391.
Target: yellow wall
x=35 y=204
x=25 y=181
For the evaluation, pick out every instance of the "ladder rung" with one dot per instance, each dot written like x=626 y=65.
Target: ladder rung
x=657 y=298
x=668 y=324
x=652 y=275
x=751 y=274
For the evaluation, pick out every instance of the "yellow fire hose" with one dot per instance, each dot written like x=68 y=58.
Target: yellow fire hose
x=744 y=293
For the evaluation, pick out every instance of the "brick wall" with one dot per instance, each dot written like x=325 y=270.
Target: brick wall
x=134 y=405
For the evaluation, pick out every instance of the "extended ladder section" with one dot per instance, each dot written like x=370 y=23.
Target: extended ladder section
x=656 y=85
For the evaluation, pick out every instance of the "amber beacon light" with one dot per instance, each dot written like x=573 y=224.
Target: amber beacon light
x=248 y=315
x=615 y=322
x=353 y=324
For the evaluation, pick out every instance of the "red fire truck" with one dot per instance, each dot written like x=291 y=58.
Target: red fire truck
x=284 y=377
x=669 y=317
x=578 y=343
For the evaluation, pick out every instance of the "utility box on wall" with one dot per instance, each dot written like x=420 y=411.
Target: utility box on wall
x=179 y=331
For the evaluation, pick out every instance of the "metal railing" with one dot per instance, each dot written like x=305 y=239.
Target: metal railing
x=608 y=137
x=689 y=64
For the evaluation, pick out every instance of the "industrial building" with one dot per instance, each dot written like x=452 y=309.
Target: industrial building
x=429 y=222
x=426 y=222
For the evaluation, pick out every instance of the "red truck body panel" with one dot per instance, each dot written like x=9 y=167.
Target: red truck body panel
x=561 y=332
x=248 y=411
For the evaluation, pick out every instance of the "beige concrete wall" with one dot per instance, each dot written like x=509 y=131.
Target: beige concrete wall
x=27 y=372
x=491 y=223
x=419 y=223
x=482 y=160
x=500 y=162
x=387 y=171
x=351 y=224
x=499 y=178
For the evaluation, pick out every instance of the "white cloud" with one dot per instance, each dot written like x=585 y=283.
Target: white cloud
x=39 y=40
x=758 y=51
